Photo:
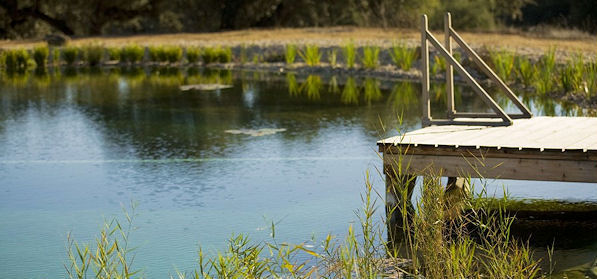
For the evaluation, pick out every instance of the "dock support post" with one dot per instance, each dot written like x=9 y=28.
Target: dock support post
x=457 y=190
x=426 y=102
x=449 y=69
x=399 y=190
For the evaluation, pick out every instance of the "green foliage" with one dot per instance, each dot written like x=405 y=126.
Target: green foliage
x=109 y=256
x=193 y=54
x=40 y=56
x=545 y=79
x=216 y=54
x=332 y=57
x=312 y=86
x=350 y=54
x=591 y=79
x=93 y=54
x=157 y=54
x=290 y=54
x=311 y=55
x=70 y=54
x=114 y=53
x=503 y=63
x=525 y=71
x=132 y=53
x=403 y=56
x=16 y=59
x=173 y=53
x=370 y=58
x=243 y=56
x=439 y=64
x=371 y=90
x=571 y=75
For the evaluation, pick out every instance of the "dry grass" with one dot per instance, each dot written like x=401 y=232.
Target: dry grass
x=334 y=36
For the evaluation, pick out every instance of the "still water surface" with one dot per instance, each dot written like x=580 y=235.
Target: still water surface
x=76 y=147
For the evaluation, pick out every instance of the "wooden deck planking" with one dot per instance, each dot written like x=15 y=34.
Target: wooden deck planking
x=540 y=148
x=535 y=133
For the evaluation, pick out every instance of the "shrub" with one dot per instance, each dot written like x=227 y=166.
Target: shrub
x=70 y=55
x=93 y=54
x=350 y=54
x=132 y=54
x=193 y=54
x=403 y=56
x=370 y=58
x=311 y=55
x=40 y=56
x=290 y=54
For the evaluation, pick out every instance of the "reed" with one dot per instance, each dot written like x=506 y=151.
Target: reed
x=216 y=54
x=370 y=58
x=310 y=55
x=193 y=54
x=114 y=53
x=157 y=54
x=312 y=86
x=333 y=57
x=40 y=56
x=350 y=54
x=70 y=54
x=93 y=54
x=173 y=54
x=439 y=64
x=525 y=70
x=403 y=56
x=132 y=53
x=16 y=59
x=290 y=54
x=503 y=63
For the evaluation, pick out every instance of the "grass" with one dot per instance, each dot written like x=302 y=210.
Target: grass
x=216 y=55
x=310 y=55
x=370 y=59
x=70 y=55
x=193 y=54
x=290 y=54
x=525 y=71
x=403 y=56
x=132 y=54
x=40 y=56
x=350 y=54
x=93 y=54
x=114 y=53
x=173 y=54
x=571 y=75
x=16 y=59
x=157 y=54
x=545 y=79
x=439 y=64
x=333 y=57
x=503 y=63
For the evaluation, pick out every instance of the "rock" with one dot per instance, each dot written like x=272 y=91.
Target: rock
x=56 y=39
x=204 y=87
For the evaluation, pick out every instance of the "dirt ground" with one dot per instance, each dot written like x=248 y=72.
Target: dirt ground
x=337 y=36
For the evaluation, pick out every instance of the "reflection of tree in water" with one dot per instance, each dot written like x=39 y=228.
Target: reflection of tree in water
x=371 y=90
x=350 y=93
x=333 y=85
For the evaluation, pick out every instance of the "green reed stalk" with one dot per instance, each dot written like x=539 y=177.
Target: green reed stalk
x=403 y=56
x=370 y=58
x=350 y=54
x=290 y=54
x=40 y=56
x=311 y=55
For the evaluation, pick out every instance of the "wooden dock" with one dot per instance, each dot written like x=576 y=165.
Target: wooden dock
x=538 y=148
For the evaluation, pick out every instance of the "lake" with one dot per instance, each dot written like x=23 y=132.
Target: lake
x=78 y=145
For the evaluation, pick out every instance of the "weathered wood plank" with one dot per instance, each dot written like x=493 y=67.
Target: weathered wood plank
x=503 y=168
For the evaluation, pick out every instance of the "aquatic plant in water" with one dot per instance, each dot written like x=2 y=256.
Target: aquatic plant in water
x=371 y=91
x=332 y=57
x=70 y=54
x=132 y=53
x=93 y=54
x=439 y=64
x=290 y=54
x=503 y=63
x=370 y=59
x=293 y=87
x=40 y=56
x=525 y=71
x=310 y=55
x=403 y=56
x=350 y=54
x=193 y=54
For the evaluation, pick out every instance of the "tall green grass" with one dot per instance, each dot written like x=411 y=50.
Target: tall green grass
x=290 y=54
x=439 y=64
x=70 y=55
x=333 y=57
x=350 y=54
x=193 y=54
x=132 y=53
x=503 y=63
x=157 y=54
x=525 y=70
x=403 y=56
x=40 y=56
x=571 y=74
x=216 y=55
x=311 y=55
x=16 y=59
x=93 y=54
x=370 y=58
x=545 y=82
